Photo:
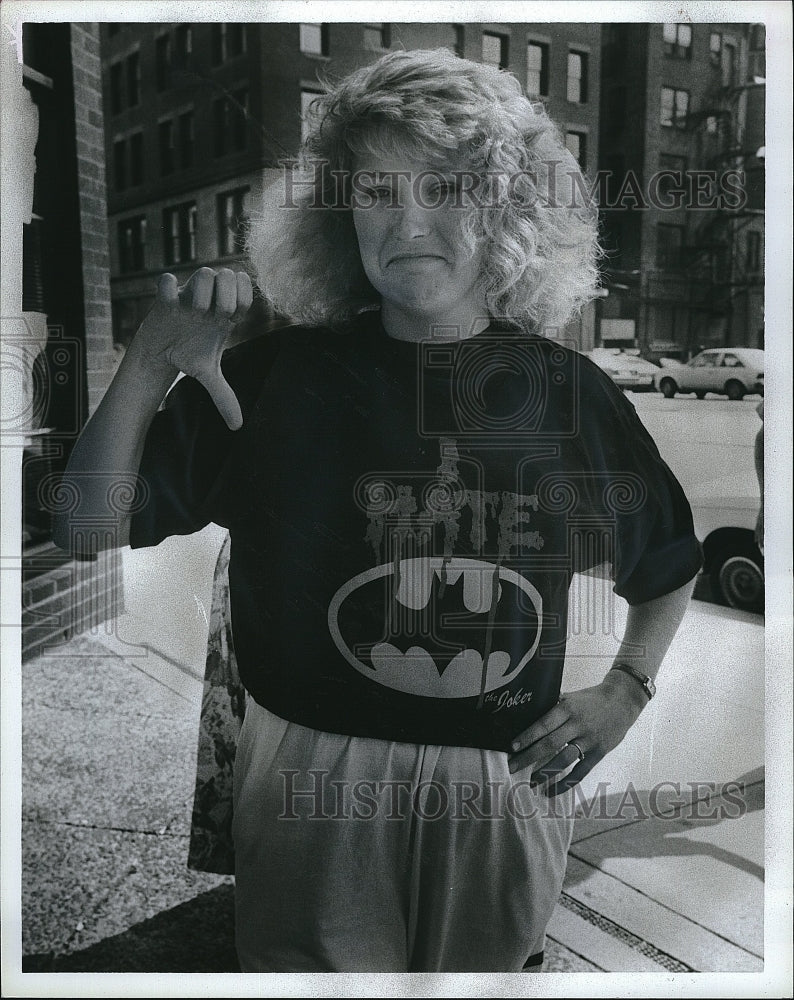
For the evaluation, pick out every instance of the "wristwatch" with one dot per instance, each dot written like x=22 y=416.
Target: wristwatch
x=647 y=682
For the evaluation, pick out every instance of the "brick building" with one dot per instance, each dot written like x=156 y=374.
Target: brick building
x=57 y=293
x=198 y=116
x=682 y=113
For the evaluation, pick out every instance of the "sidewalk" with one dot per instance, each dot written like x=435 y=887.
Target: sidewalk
x=655 y=883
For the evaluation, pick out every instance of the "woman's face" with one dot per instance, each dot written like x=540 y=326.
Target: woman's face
x=408 y=221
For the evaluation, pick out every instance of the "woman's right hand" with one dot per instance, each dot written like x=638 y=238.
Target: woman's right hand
x=187 y=327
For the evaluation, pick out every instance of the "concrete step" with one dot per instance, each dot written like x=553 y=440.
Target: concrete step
x=620 y=929
x=591 y=938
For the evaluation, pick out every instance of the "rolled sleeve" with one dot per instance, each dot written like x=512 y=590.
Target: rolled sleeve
x=655 y=548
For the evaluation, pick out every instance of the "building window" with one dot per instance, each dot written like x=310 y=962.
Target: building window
x=674 y=107
x=715 y=48
x=116 y=92
x=218 y=43
x=136 y=158
x=186 y=139
x=230 y=122
x=228 y=41
x=162 y=61
x=673 y=171
x=377 y=36
x=753 y=251
x=179 y=233
x=240 y=119
x=132 y=245
x=577 y=146
x=231 y=221
x=577 y=77
x=457 y=45
x=728 y=64
x=669 y=246
x=314 y=39
x=220 y=115
x=128 y=172
x=537 y=69
x=113 y=28
x=165 y=132
x=307 y=99
x=756 y=63
x=494 y=49
x=236 y=40
x=120 y=164
x=133 y=80
x=184 y=43
x=677 y=40
x=720 y=260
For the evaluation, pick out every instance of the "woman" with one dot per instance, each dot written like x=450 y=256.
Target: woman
x=410 y=475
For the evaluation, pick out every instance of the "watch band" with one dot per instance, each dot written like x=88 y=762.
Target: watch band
x=647 y=682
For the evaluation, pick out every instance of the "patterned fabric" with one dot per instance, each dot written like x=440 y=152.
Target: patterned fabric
x=222 y=713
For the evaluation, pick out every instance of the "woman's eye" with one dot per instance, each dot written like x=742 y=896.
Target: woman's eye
x=442 y=189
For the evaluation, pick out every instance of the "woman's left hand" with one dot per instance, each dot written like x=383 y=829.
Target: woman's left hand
x=581 y=729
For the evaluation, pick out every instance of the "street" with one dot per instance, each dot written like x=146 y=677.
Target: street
x=701 y=440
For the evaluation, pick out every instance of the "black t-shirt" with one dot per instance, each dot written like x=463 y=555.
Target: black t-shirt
x=405 y=520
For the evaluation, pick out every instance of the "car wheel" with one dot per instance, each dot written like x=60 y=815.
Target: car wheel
x=668 y=388
x=737 y=575
x=700 y=394
x=734 y=389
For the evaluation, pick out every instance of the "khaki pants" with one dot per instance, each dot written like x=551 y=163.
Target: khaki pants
x=363 y=855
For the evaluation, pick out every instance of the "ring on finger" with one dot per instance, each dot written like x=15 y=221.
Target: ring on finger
x=577 y=748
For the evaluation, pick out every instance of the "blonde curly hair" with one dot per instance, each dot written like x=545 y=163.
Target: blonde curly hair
x=536 y=224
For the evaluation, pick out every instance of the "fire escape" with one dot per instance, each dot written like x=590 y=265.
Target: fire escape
x=727 y=132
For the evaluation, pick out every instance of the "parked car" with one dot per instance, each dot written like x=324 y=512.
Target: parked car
x=626 y=370
x=733 y=371
x=724 y=513
x=711 y=455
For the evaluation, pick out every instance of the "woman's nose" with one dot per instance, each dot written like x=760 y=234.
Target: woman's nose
x=411 y=216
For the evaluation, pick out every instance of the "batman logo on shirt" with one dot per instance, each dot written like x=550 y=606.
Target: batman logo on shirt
x=437 y=627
